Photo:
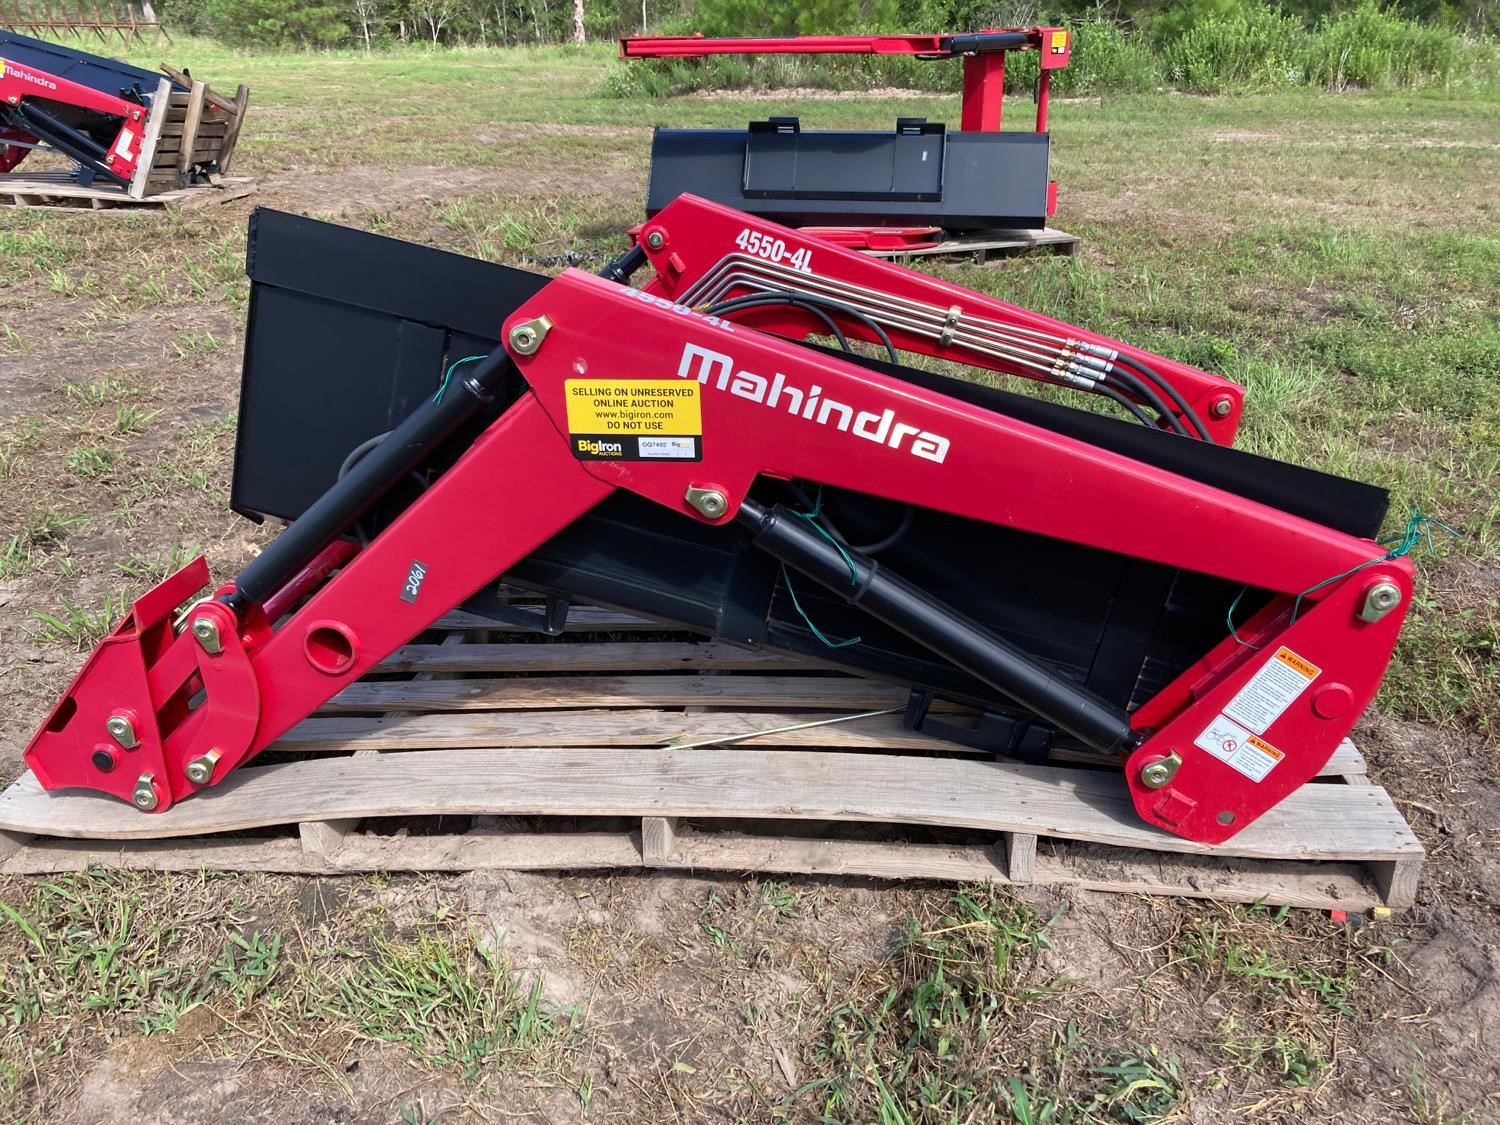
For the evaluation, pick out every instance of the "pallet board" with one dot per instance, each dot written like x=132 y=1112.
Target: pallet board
x=617 y=747
x=60 y=192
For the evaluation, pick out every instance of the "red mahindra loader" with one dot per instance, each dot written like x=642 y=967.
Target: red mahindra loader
x=755 y=441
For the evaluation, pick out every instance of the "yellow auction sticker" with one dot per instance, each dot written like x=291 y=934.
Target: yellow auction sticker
x=634 y=419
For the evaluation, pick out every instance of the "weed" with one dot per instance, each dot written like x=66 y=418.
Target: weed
x=453 y=1001
x=151 y=569
x=78 y=625
x=191 y=345
x=1279 y=1055
x=247 y=966
x=39 y=535
x=131 y=419
x=90 y=461
x=107 y=388
x=1141 y=1086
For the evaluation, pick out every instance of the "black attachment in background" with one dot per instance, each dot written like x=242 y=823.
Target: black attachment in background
x=348 y=332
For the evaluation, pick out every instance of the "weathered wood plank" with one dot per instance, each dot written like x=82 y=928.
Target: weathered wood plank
x=37 y=189
x=639 y=656
x=1397 y=880
x=1326 y=822
x=155 y=121
x=1020 y=856
x=473 y=851
x=724 y=851
x=519 y=694
x=190 y=123
x=237 y=122
x=598 y=728
x=658 y=838
x=324 y=837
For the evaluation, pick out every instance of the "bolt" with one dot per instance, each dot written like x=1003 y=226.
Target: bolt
x=1157 y=774
x=708 y=502
x=526 y=338
x=1225 y=818
x=1380 y=600
x=122 y=730
x=206 y=630
x=200 y=771
x=656 y=240
x=104 y=759
x=1221 y=408
x=145 y=797
x=110 y=159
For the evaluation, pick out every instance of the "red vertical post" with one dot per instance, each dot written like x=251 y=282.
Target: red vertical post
x=1043 y=96
x=984 y=92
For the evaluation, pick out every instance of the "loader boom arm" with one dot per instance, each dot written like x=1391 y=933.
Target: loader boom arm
x=630 y=390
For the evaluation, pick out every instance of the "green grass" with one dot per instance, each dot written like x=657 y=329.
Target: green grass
x=98 y=949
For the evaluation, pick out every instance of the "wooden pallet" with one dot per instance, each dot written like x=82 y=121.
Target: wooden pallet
x=189 y=135
x=59 y=191
x=589 y=752
x=993 y=246
x=186 y=150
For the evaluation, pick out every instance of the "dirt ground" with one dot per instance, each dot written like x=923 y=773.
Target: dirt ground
x=670 y=997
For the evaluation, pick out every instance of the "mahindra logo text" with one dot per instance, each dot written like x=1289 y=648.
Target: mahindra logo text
x=27 y=76
x=715 y=369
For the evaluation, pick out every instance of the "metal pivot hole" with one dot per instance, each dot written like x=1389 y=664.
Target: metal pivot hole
x=1380 y=600
x=656 y=240
x=526 y=338
x=145 y=792
x=1159 y=774
x=1221 y=408
x=122 y=730
x=200 y=771
x=206 y=630
x=709 y=502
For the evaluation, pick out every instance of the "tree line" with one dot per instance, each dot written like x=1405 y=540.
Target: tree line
x=380 y=23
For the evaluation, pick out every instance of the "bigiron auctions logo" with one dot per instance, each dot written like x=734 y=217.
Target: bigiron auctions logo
x=718 y=370
x=591 y=448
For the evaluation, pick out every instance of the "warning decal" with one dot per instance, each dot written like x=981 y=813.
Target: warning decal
x=1272 y=690
x=1237 y=748
x=634 y=420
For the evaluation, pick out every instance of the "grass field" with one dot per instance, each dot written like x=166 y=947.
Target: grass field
x=1339 y=255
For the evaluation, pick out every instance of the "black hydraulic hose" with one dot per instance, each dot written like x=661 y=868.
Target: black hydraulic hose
x=914 y=612
x=1172 y=392
x=768 y=300
x=888 y=541
x=1115 y=396
x=1143 y=390
x=825 y=303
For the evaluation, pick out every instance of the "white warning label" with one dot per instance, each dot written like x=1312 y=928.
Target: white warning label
x=1237 y=748
x=1272 y=690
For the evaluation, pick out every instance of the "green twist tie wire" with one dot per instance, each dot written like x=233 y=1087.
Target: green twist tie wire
x=1417 y=532
x=812 y=518
x=448 y=375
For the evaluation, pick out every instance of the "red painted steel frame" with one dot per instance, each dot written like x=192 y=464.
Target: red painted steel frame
x=696 y=235
x=519 y=484
x=19 y=82
x=984 y=72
